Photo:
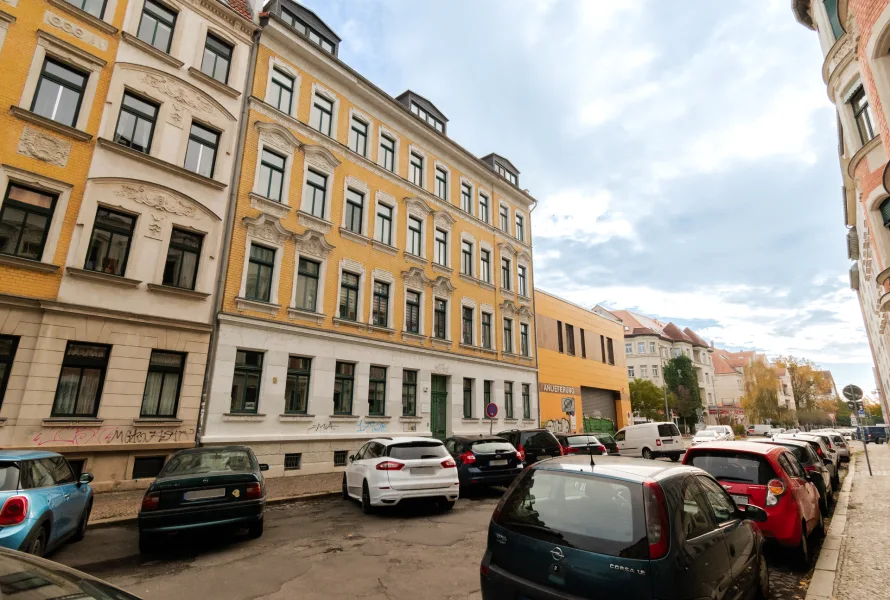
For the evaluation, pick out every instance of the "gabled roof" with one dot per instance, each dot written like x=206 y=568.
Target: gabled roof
x=490 y=158
x=242 y=7
x=637 y=324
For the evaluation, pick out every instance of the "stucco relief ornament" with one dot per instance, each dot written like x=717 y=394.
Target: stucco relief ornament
x=276 y=141
x=155 y=229
x=415 y=278
x=313 y=243
x=178 y=93
x=49 y=149
x=157 y=200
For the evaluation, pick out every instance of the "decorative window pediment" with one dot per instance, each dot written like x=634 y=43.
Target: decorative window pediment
x=506 y=249
x=509 y=309
x=267 y=228
x=417 y=207
x=415 y=278
x=277 y=136
x=313 y=243
x=320 y=157
x=444 y=220
x=523 y=258
x=443 y=287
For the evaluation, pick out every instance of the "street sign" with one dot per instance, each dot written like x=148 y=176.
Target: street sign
x=491 y=410
x=831 y=416
x=853 y=421
x=853 y=392
x=568 y=405
x=861 y=412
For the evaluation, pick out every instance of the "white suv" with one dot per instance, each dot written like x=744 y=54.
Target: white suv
x=386 y=471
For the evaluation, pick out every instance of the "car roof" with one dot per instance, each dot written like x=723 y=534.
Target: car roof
x=472 y=437
x=619 y=467
x=751 y=447
x=810 y=437
x=403 y=440
x=26 y=454
x=781 y=441
x=202 y=449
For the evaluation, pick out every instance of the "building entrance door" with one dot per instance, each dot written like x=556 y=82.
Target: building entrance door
x=438 y=402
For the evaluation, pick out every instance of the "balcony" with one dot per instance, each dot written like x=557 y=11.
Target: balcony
x=883 y=282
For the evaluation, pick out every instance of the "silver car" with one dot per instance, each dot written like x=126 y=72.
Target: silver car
x=839 y=442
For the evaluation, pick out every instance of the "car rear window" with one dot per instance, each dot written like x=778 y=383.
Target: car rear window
x=195 y=463
x=582 y=439
x=799 y=453
x=417 y=450
x=540 y=439
x=491 y=446
x=668 y=430
x=739 y=467
x=9 y=476
x=605 y=516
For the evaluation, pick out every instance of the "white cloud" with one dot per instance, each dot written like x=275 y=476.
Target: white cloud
x=580 y=216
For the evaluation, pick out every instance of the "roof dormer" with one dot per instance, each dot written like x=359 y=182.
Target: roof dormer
x=424 y=110
x=502 y=167
x=307 y=23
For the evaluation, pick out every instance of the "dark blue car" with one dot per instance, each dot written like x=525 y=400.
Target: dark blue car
x=622 y=528
x=484 y=460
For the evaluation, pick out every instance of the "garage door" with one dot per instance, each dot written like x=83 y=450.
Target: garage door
x=599 y=403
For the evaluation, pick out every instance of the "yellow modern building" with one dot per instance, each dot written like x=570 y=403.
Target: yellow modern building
x=379 y=275
x=582 y=369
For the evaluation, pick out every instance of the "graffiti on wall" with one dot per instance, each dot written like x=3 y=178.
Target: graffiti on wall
x=370 y=426
x=85 y=436
x=323 y=427
x=559 y=426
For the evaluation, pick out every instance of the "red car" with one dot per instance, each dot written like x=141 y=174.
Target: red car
x=769 y=477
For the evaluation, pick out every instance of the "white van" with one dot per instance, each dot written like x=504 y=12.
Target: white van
x=759 y=429
x=650 y=440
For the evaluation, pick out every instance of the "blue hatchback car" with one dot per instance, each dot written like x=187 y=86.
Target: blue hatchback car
x=42 y=503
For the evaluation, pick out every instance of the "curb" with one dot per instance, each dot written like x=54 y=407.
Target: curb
x=826 y=572
x=114 y=521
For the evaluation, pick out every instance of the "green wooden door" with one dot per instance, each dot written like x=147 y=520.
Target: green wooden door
x=438 y=402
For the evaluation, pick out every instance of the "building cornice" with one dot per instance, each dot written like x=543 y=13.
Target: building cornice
x=801 y=9
x=861 y=153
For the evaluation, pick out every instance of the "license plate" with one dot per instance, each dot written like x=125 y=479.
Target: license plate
x=667 y=441
x=205 y=494
x=543 y=456
x=498 y=463
x=739 y=500
x=423 y=470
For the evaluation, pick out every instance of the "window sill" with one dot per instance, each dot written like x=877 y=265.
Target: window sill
x=85 y=16
x=391 y=250
x=528 y=422
x=268 y=206
x=416 y=259
x=442 y=269
x=27 y=263
x=468 y=278
x=525 y=298
x=175 y=291
x=470 y=347
x=103 y=277
x=72 y=422
x=440 y=342
x=355 y=237
x=314 y=223
x=345 y=417
x=378 y=417
x=161 y=164
x=149 y=49
x=215 y=84
x=30 y=117
x=491 y=351
x=470 y=420
x=410 y=419
x=263 y=307
x=373 y=328
x=156 y=422
x=486 y=285
x=508 y=293
x=511 y=420
x=357 y=324
x=295 y=418
x=305 y=315
x=413 y=337
x=244 y=417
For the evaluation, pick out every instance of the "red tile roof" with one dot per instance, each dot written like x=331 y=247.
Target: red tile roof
x=242 y=7
x=722 y=365
x=673 y=332
x=696 y=339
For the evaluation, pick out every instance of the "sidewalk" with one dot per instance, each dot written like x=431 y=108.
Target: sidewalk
x=863 y=567
x=120 y=505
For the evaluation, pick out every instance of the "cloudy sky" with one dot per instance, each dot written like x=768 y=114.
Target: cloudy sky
x=683 y=153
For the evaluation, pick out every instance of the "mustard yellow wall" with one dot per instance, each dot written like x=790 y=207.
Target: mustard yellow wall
x=15 y=62
x=347 y=248
x=561 y=369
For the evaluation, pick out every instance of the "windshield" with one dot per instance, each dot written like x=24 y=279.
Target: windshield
x=605 y=516
x=417 y=450
x=734 y=466
x=582 y=440
x=25 y=579
x=195 y=463
x=706 y=433
x=9 y=476
x=491 y=446
x=717 y=428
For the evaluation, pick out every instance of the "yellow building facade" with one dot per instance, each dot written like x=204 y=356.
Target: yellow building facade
x=379 y=275
x=582 y=369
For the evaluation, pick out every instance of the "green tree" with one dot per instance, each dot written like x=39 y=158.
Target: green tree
x=647 y=399
x=679 y=374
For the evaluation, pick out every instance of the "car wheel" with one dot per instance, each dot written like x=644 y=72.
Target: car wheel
x=82 y=526
x=647 y=454
x=823 y=504
x=675 y=457
x=762 y=579
x=255 y=530
x=344 y=493
x=37 y=544
x=148 y=543
x=366 y=499
x=803 y=550
x=446 y=505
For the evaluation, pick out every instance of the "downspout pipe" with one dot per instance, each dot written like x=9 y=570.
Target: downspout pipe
x=227 y=236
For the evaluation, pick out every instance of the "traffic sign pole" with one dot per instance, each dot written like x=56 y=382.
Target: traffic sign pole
x=854 y=394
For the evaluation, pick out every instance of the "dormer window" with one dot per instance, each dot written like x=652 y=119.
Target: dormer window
x=505 y=173
x=307 y=30
x=426 y=116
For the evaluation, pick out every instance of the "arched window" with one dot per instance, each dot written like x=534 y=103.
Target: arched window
x=834 y=18
x=885 y=212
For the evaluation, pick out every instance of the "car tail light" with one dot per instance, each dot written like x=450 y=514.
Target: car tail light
x=658 y=442
x=570 y=450
x=562 y=451
x=14 y=510
x=390 y=465
x=819 y=451
x=151 y=501
x=521 y=453
x=775 y=488
x=483 y=569
x=449 y=464
x=811 y=468
x=656 y=520
x=253 y=491
x=519 y=456
x=467 y=458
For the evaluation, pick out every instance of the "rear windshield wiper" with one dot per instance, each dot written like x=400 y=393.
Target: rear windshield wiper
x=538 y=528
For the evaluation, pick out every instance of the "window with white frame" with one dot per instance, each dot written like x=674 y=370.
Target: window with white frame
x=484 y=208
x=412 y=311
x=272 y=175
x=442 y=183
x=485 y=265
x=508 y=336
x=466 y=257
x=415 y=236
x=281 y=92
x=415 y=169
x=654 y=370
x=322 y=114
x=355 y=210
x=383 y=224
x=441 y=254
x=467 y=325
x=520 y=227
x=358 y=136
x=628 y=348
x=630 y=371
x=466 y=197
x=387 y=152
x=380 y=304
x=315 y=192
x=487 y=338
x=641 y=347
x=506 y=274
x=349 y=291
x=505 y=218
x=644 y=371
x=651 y=347
x=522 y=280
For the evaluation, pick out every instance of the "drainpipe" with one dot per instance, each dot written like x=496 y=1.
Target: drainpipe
x=227 y=236
x=534 y=308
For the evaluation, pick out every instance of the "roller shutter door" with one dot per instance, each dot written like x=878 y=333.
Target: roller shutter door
x=596 y=402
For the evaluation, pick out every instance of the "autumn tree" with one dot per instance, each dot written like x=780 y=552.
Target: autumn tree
x=679 y=374
x=761 y=399
x=647 y=399
x=808 y=383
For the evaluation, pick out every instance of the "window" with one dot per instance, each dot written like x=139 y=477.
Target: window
x=281 y=95
x=523 y=339
x=505 y=218
x=25 y=218
x=340 y=458
x=506 y=271
x=583 y=345
x=59 y=92
x=629 y=348
x=522 y=280
x=412 y=312
x=316 y=190
x=559 y=339
x=296 y=388
x=322 y=114
x=217 y=58
x=426 y=116
x=136 y=122
x=505 y=173
x=415 y=169
x=181 y=268
x=306 y=30
x=272 y=175
x=380 y=306
x=508 y=399
x=349 y=296
x=200 y=156
x=415 y=229
x=293 y=461
x=723 y=506
x=93 y=7
x=570 y=340
x=439 y=319
x=466 y=197
x=526 y=401
x=520 y=227
x=146 y=467
x=467 y=326
x=834 y=18
x=344 y=377
x=485 y=256
x=466 y=258
x=359 y=136
x=383 y=225
x=486 y=331
x=355 y=208
x=442 y=247
x=260 y=266
x=484 y=208
x=387 y=152
x=651 y=347
x=654 y=370
x=695 y=520
x=110 y=243
x=409 y=393
x=468 y=398
x=156 y=26
x=441 y=183
x=246 y=383
x=641 y=347
x=377 y=391
x=862 y=115
x=8 y=346
x=630 y=371
x=307 y=284
x=644 y=371
x=81 y=380
x=603 y=348
x=508 y=336
x=611 y=350
x=161 y=395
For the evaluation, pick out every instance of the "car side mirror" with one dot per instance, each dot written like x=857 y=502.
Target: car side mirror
x=264 y=467
x=85 y=478
x=352 y=458
x=753 y=513
x=826 y=461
